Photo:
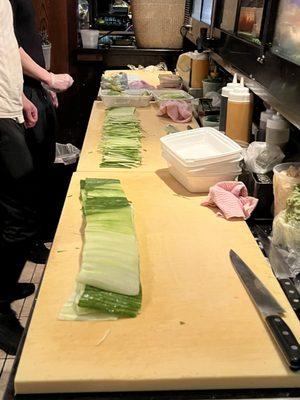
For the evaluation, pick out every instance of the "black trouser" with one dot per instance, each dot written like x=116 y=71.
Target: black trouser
x=41 y=142
x=18 y=199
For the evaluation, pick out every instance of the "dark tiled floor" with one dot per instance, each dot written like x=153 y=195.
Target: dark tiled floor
x=31 y=273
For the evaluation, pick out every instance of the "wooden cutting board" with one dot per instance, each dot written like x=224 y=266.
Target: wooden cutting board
x=198 y=328
x=152 y=129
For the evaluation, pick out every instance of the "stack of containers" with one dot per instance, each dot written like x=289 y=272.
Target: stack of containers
x=202 y=157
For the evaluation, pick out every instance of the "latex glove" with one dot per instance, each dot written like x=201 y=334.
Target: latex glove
x=59 y=82
x=54 y=99
x=30 y=113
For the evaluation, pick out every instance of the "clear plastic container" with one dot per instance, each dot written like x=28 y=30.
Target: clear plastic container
x=47 y=55
x=283 y=185
x=170 y=94
x=201 y=146
x=89 y=38
x=128 y=98
x=211 y=86
x=211 y=120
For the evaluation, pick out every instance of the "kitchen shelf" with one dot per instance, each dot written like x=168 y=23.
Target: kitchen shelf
x=259 y=90
x=123 y=33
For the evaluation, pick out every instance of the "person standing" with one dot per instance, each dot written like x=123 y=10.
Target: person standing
x=42 y=137
x=18 y=217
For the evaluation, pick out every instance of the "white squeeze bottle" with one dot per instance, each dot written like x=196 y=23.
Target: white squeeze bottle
x=278 y=130
x=224 y=101
x=264 y=116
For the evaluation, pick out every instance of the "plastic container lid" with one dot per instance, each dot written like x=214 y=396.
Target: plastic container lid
x=200 y=146
x=277 y=122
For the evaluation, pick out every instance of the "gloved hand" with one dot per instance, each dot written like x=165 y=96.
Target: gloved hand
x=53 y=98
x=59 y=82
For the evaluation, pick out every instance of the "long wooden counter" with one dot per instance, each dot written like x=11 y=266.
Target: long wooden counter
x=152 y=130
x=198 y=328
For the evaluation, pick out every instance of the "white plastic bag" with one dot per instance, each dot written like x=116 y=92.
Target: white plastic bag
x=261 y=157
x=66 y=154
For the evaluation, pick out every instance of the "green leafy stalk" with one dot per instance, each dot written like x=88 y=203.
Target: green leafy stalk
x=109 y=302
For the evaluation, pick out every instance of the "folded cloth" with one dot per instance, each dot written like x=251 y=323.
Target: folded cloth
x=232 y=200
x=140 y=85
x=178 y=111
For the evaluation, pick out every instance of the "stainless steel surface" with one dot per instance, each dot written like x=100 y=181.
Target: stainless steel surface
x=260 y=91
x=262 y=298
x=264 y=239
x=279 y=266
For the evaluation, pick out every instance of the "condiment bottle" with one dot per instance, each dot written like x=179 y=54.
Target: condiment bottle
x=239 y=114
x=200 y=68
x=264 y=116
x=224 y=99
x=277 y=130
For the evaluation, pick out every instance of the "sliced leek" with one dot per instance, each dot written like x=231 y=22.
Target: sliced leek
x=121 y=145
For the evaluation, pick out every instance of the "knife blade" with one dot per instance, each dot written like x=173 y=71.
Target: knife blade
x=270 y=311
x=280 y=268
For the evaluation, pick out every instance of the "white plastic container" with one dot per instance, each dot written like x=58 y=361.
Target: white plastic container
x=128 y=98
x=201 y=157
x=226 y=166
x=201 y=146
x=200 y=183
x=163 y=95
x=89 y=38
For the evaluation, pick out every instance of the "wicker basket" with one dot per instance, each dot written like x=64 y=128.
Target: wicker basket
x=157 y=23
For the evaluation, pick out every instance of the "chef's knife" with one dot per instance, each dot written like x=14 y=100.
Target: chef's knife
x=280 y=270
x=270 y=310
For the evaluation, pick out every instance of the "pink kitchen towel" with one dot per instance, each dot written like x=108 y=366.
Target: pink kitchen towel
x=232 y=200
x=178 y=111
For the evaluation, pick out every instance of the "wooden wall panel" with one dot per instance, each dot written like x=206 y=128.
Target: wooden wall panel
x=58 y=18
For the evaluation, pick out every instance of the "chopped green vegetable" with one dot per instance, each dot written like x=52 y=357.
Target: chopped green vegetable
x=117 y=82
x=112 y=303
x=172 y=95
x=108 y=284
x=110 y=258
x=292 y=214
x=121 y=146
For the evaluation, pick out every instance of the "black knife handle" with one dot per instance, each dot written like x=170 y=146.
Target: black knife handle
x=291 y=293
x=286 y=340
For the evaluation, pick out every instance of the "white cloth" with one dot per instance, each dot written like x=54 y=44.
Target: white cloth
x=11 y=76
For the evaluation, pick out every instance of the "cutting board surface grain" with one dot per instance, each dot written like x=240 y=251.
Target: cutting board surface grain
x=198 y=328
